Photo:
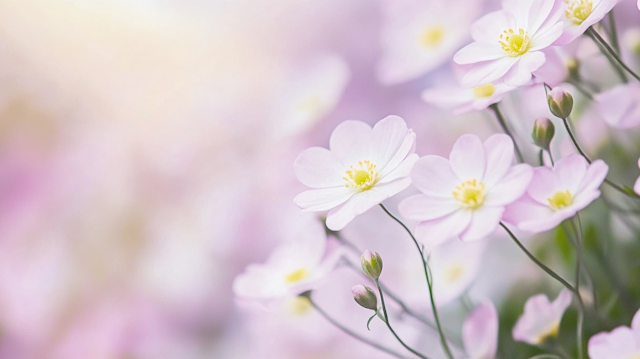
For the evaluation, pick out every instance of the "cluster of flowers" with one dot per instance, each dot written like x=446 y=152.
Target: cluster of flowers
x=472 y=193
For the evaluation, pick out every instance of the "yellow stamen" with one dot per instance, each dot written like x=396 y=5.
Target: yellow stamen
x=515 y=43
x=578 y=10
x=484 y=91
x=363 y=177
x=560 y=199
x=296 y=276
x=431 y=37
x=551 y=332
x=299 y=305
x=470 y=194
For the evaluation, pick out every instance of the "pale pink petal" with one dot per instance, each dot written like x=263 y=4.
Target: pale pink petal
x=406 y=149
x=392 y=188
x=570 y=172
x=562 y=302
x=510 y=187
x=540 y=316
x=467 y=158
x=477 y=52
x=323 y=199
x=423 y=207
x=636 y=186
x=316 y=167
x=635 y=322
x=435 y=232
x=546 y=37
x=487 y=71
x=340 y=216
x=484 y=221
x=491 y=26
x=526 y=211
x=480 y=332
x=547 y=219
x=520 y=73
x=389 y=135
x=595 y=175
x=433 y=175
x=351 y=141
x=582 y=200
x=401 y=170
x=537 y=14
x=543 y=185
x=498 y=150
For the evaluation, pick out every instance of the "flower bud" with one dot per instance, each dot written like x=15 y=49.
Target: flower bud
x=543 y=132
x=371 y=264
x=365 y=296
x=560 y=102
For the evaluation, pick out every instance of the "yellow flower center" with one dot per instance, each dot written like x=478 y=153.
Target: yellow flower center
x=515 y=43
x=454 y=272
x=431 y=37
x=484 y=91
x=363 y=176
x=560 y=199
x=299 y=306
x=551 y=332
x=578 y=10
x=470 y=194
x=296 y=275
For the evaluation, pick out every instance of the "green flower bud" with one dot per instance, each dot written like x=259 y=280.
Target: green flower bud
x=371 y=264
x=560 y=102
x=365 y=297
x=543 y=132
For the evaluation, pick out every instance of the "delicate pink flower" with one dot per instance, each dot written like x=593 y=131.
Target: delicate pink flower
x=579 y=15
x=620 y=105
x=480 y=332
x=621 y=343
x=557 y=193
x=464 y=100
x=636 y=186
x=291 y=269
x=508 y=42
x=416 y=39
x=541 y=319
x=363 y=168
x=466 y=195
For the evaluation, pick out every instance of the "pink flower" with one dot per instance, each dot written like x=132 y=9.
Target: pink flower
x=464 y=100
x=580 y=14
x=466 y=195
x=541 y=319
x=508 y=42
x=619 y=106
x=363 y=168
x=480 y=332
x=556 y=194
x=621 y=343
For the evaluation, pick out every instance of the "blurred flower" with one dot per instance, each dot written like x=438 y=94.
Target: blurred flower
x=465 y=195
x=508 y=43
x=464 y=100
x=418 y=36
x=619 y=106
x=541 y=319
x=579 y=15
x=480 y=332
x=364 y=167
x=291 y=269
x=557 y=193
x=620 y=343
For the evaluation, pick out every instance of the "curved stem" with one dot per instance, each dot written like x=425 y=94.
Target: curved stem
x=614 y=64
x=503 y=124
x=536 y=261
x=614 y=32
x=386 y=320
x=595 y=35
x=578 y=237
x=443 y=340
x=354 y=334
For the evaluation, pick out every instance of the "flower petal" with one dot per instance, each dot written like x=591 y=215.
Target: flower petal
x=316 y=167
x=487 y=71
x=467 y=158
x=339 y=217
x=401 y=170
x=423 y=207
x=351 y=142
x=480 y=331
x=433 y=175
x=477 y=52
x=435 y=232
x=498 y=150
x=571 y=171
x=388 y=137
x=484 y=221
x=520 y=73
x=511 y=187
x=323 y=199
x=543 y=185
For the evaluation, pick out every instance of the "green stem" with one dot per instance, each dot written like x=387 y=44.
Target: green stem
x=505 y=129
x=386 y=320
x=578 y=241
x=614 y=32
x=594 y=33
x=354 y=334
x=614 y=64
x=536 y=261
x=443 y=340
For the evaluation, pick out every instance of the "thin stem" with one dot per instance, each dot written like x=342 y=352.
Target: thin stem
x=611 y=60
x=611 y=52
x=551 y=158
x=503 y=124
x=354 y=334
x=577 y=146
x=443 y=340
x=386 y=320
x=581 y=88
x=536 y=261
x=614 y=32
x=578 y=238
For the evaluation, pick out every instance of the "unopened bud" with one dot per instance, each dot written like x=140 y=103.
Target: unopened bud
x=560 y=102
x=371 y=264
x=365 y=296
x=543 y=132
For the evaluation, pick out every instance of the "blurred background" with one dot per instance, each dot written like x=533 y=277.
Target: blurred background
x=146 y=152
